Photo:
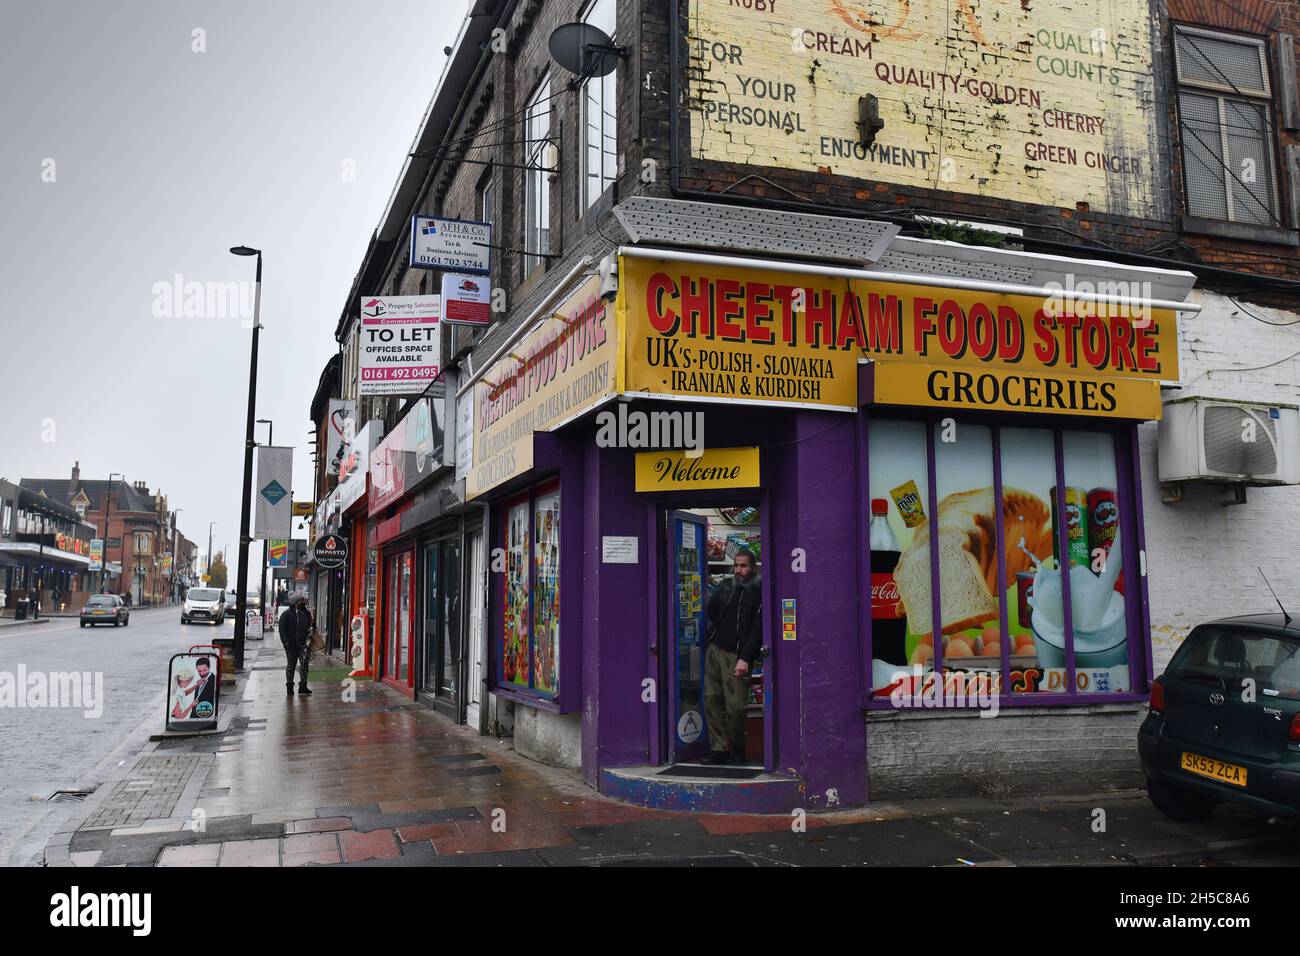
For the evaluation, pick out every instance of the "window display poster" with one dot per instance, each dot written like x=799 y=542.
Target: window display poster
x=546 y=593
x=974 y=637
x=514 y=650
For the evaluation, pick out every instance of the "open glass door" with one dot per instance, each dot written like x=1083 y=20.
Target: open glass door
x=687 y=574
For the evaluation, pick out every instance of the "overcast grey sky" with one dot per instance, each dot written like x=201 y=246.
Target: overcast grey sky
x=163 y=158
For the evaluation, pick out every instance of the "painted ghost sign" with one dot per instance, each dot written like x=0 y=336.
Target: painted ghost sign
x=1037 y=103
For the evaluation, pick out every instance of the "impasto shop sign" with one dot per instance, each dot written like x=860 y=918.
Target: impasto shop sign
x=1034 y=102
x=711 y=332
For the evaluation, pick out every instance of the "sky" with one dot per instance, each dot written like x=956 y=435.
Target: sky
x=141 y=140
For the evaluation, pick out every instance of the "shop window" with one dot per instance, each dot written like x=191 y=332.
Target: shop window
x=530 y=639
x=599 y=117
x=537 y=178
x=1225 y=109
x=1010 y=624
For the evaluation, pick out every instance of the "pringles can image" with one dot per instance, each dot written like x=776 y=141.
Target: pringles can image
x=1076 y=527
x=1103 y=523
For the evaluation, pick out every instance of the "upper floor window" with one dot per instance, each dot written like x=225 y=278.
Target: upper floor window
x=1225 y=106
x=537 y=177
x=599 y=117
x=486 y=197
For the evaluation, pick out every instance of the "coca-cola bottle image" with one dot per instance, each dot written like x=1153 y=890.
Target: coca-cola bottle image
x=888 y=629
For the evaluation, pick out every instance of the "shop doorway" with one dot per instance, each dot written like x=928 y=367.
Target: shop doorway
x=441 y=650
x=701 y=545
x=399 y=600
x=474 y=638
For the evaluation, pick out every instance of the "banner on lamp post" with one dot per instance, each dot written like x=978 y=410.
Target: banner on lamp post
x=273 y=516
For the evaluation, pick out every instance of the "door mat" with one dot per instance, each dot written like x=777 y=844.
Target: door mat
x=722 y=772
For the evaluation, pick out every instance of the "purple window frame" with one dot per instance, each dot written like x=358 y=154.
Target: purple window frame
x=1136 y=604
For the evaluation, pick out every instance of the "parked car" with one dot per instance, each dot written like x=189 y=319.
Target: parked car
x=1224 y=725
x=105 y=609
x=231 y=599
x=203 y=604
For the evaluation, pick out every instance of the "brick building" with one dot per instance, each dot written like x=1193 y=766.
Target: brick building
x=989 y=265
x=139 y=529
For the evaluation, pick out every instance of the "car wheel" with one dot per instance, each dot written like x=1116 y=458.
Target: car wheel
x=83 y=623
x=117 y=623
x=1178 y=804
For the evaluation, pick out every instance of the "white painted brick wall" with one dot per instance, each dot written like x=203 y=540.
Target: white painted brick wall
x=1202 y=555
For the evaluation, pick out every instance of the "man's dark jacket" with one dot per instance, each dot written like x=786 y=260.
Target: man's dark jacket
x=736 y=617
x=295 y=627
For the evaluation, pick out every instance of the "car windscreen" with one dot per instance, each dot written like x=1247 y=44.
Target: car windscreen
x=203 y=594
x=1228 y=656
x=100 y=602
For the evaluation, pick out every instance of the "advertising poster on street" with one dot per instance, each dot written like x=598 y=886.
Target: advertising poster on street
x=273 y=504
x=96 y=554
x=466 y=299
x=193 y=691
x=277 y=555
x=252 y=624
x=401 y=344
x=458 y=244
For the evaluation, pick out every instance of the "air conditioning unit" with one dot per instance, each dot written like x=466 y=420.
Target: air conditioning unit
x=1219 y=440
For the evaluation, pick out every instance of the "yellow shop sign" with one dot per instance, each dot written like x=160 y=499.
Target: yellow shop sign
x=676 y=470
x=941 y=386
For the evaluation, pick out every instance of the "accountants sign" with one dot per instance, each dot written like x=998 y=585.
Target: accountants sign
x=1040 y=103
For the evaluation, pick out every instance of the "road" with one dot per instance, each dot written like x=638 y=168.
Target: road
x=48 y=749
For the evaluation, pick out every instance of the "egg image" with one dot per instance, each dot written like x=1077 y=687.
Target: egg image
x=992 y=649
x=958 y=647
x=923 y=654
x=1025 y=645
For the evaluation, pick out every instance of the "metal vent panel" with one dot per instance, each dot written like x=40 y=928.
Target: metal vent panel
x=713 y=226
x=1240 y=440
x=922 y=264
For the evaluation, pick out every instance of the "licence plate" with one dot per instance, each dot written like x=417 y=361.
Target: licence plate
x=101 y=612
x=1214 y=769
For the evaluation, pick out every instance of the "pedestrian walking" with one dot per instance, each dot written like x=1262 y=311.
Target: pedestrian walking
x=296 y=629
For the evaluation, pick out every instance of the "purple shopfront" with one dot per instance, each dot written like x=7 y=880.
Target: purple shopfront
x=600 y=575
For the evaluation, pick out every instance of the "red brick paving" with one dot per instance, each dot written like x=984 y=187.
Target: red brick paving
x=374 y=845
x=426 y=831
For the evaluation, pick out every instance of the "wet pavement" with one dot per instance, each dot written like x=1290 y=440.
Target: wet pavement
x=371 y=778
x=51 y=755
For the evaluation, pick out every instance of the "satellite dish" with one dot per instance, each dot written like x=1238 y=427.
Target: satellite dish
x=584 y=49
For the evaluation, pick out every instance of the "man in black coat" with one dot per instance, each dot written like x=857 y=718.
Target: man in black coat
x=735 y=638
x=296 y=627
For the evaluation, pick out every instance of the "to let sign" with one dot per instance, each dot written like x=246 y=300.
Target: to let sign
x=400 y=342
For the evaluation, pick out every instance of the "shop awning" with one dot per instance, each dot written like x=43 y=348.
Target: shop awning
x=21 y=549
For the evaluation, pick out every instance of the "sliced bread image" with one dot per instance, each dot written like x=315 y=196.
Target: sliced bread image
x=968 y=569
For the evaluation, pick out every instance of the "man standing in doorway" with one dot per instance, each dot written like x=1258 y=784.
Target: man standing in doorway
x=735 y=617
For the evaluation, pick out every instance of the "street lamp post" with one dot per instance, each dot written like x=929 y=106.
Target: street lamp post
x=108 y=508
x=270 y=440
x=209 y=568
x=241 y=598
x=176 y=554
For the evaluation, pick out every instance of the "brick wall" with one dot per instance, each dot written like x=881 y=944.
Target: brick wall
x=915 y=755
x=1202 y=551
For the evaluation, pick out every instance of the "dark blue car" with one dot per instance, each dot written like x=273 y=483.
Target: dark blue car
x=1224 y=725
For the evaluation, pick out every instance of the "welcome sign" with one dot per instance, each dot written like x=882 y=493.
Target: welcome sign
x=678 y=470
